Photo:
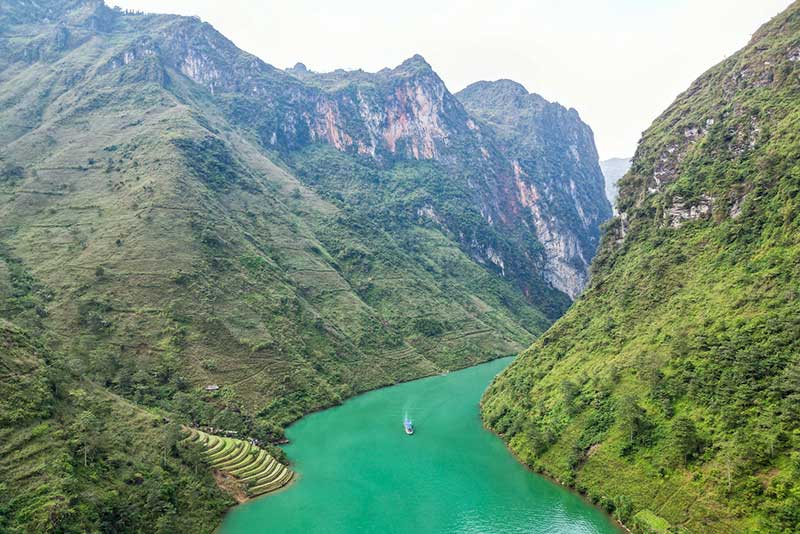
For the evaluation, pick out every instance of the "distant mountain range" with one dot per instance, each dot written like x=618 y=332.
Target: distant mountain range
x=614 y=169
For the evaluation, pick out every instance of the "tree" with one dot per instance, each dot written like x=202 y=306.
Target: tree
x=569 y=392
x=11 y=173
x=172 y=435
x=685 y=438
x=633 y=421
x=86 y=428
x=192 y=456
x=623 y=507
x=729 y=460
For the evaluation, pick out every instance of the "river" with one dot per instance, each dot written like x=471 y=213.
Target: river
x=360 y=473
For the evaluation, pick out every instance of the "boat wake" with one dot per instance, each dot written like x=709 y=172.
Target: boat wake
x=407 y=424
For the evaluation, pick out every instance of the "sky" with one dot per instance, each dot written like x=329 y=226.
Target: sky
x=618 y=62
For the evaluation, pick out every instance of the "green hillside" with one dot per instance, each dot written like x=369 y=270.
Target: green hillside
x=669 y=393
x=177 y=253
x=76 y=458
x=191 y=236
x=245 y=464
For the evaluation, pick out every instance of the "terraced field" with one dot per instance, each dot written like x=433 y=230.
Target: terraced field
x=256 y=470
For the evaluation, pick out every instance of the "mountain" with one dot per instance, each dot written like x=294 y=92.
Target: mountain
x=614 y=169
x=176 y=214
x=77 y=458
x=556 y=173
x=669 y=392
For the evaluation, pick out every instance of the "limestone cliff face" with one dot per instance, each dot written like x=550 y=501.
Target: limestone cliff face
x=402 y=113
x=527 y=167
x=556 y=173
x=724 y=128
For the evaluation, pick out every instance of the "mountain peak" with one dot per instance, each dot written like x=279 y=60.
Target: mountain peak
x=417 y=62
x=299 y=70
x=504 y=85
x=509 y=85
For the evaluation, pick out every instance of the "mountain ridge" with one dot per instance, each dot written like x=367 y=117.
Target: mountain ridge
x=196 y=234
x=550 y=149
x=668 y=392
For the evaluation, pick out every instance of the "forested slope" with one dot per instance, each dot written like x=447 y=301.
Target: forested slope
x=189 y=235
x=75 y=457
x=670 y=391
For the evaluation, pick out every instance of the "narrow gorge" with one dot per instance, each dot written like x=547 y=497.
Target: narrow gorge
x=193 y=237
x=242 y=298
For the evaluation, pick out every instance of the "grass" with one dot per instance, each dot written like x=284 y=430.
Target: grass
x=234 y=459
x=669 y=389
x=254 y=468
x=157 y=243
x=648 y=522
x=73 y=446
x=261 y=459
x=275 y=482
x=228 y=444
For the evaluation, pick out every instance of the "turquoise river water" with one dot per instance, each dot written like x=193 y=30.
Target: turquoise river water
x=360 y=473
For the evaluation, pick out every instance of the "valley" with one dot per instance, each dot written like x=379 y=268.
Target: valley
x=359 y=472
x=223 y=282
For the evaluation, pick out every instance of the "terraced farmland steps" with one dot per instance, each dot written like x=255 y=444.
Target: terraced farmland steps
x=257 y=471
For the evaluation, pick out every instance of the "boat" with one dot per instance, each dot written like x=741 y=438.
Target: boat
x=408 y=426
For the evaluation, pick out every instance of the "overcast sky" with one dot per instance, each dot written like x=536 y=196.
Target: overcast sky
x=618 y=62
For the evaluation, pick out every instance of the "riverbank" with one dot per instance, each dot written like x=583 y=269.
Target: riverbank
x=439 y=372
x=450 y=476
x=571 y=488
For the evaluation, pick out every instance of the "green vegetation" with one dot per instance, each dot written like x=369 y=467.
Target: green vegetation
x=180 y=255
x=76 y=458
x=669 y=392
x=155 y=242
x=254 y=469
x=387 y=206
x=211 y=161
x=649 y=523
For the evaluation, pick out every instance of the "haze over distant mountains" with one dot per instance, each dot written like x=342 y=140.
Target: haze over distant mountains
x=614 y=169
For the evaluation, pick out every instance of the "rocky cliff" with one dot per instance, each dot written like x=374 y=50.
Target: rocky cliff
x=178 y=214
x=539 y=182
x=556 y=176
x=669 y=392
